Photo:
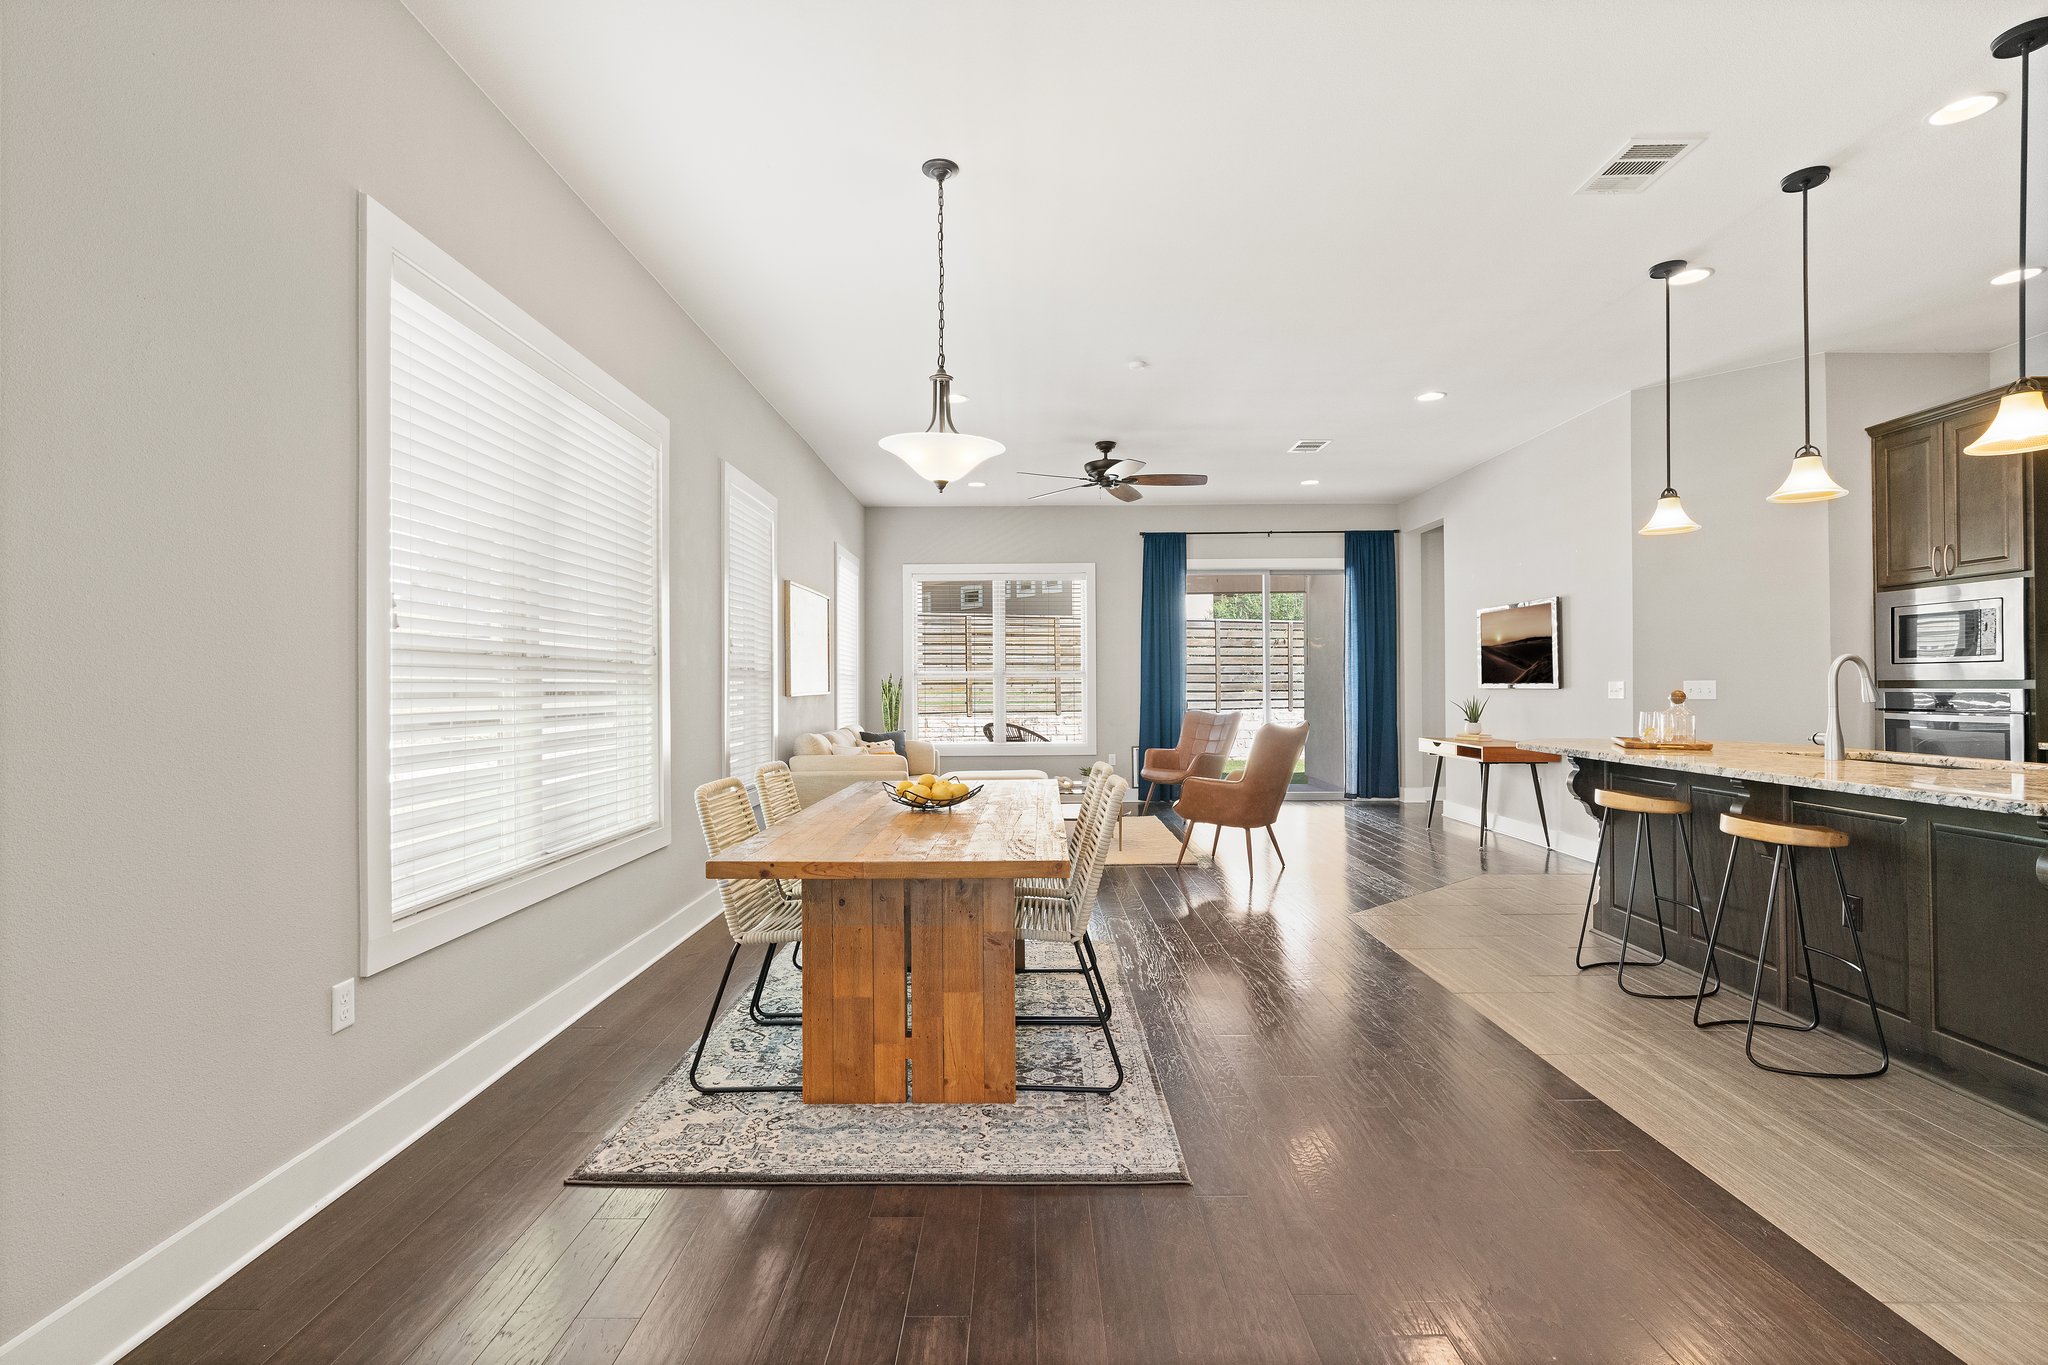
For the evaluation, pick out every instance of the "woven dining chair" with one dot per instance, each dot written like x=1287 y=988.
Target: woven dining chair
x=756 y=911
x=779 y=801
x=1063 y=917
x=1057 y=886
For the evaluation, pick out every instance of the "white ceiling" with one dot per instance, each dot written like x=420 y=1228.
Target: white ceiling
x=1301 y=213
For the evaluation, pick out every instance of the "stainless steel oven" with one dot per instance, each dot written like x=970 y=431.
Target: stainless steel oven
x=1976 y=722
x=1943 y=632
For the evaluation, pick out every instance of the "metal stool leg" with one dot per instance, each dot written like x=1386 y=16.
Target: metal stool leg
x=1850 y=918
x=1657 y=902
x=1763 y=942
x=1692 y=875
x=1593 y=891
x=1714 y=937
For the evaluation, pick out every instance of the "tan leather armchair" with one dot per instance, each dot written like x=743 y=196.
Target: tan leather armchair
x=1204 y=742
x=1249 y=799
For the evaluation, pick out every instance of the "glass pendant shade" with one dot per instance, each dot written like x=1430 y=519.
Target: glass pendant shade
x=1669 y=518
x=941 y=456
x=939 y=453
x=2020 y=426
x=1809 y=481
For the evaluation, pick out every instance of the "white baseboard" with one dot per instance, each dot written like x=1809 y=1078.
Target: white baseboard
x=112 y=1317
x=1526 y=831
x=1414 y=794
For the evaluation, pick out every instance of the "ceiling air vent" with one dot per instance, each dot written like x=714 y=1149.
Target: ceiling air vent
x=1640 y=161
x=1306 y=447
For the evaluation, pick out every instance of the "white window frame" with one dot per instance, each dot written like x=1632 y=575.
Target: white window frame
x=1083 y=573
x=390 y=247
x=845 y=643
x=730 y=479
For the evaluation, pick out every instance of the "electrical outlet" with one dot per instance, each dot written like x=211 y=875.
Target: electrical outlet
x=343 y=1004
x=1699 y=689
x=1617 y=691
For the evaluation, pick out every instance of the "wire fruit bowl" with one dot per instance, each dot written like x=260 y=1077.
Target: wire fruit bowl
x=919 y=803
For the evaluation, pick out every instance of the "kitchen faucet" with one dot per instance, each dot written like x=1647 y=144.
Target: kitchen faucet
x=1832 y=744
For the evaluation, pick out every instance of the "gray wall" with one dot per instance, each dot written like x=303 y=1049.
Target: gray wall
x=178 y=601
x=1743 y=601
x=1549 y=518
x=1105 y=536
x=1758 y=600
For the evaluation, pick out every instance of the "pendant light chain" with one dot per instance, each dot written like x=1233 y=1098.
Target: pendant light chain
x=942 y=273
x=2026 y=99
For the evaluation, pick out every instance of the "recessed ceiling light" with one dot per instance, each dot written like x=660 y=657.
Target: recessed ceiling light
x=977 y=484
x=1310 y=483
x=1693 y=275
x=2015 y=276
x=1434 y=395
x=1966 y=108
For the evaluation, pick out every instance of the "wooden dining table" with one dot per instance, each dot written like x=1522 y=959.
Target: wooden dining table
x=892 y=894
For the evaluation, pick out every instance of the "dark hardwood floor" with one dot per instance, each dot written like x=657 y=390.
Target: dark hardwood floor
x=1379 y=1176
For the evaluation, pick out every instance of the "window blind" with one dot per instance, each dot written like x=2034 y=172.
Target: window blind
x=749 y=626
x=846 y=662
x=525 y=646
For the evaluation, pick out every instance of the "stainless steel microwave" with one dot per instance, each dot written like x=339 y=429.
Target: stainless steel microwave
x=1943 y=632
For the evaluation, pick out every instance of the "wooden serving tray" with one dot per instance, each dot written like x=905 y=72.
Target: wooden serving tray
x=1675 y=746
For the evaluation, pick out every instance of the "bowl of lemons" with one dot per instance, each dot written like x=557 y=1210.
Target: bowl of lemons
x=927 y=792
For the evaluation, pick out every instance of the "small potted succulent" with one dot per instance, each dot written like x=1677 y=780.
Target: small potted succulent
x=1472 y=708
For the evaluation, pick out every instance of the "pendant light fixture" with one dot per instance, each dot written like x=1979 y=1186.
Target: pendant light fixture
x=939 y=452
x=1669 y=519
x=2022 y=421
x=1809 y=480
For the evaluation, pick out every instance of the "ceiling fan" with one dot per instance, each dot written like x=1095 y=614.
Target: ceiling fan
x=1118 y=478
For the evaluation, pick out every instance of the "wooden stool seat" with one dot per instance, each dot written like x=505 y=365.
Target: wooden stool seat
x=1783 y=832
x=1638 y=803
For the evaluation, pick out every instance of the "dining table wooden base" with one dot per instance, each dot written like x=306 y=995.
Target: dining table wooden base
x=951 y=1037
x=910 y=948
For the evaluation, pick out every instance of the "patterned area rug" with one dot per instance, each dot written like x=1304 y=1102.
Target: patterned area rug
x=678 y=1137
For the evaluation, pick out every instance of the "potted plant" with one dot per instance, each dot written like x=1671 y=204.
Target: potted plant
x=1472 y=708
x=892 y=703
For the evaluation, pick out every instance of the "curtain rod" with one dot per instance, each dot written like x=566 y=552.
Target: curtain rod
x=1250 y=533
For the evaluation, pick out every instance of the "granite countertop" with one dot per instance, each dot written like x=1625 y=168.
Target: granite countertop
x=1969 y=783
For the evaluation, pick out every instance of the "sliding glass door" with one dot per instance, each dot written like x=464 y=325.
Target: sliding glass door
x=1268 y=645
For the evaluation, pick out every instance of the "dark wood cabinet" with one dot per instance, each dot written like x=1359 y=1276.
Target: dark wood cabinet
x=1940 y=513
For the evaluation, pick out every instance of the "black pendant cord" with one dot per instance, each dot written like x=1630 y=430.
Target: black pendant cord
x=1669 y=491
x=2026 y=100
x=1805 y=330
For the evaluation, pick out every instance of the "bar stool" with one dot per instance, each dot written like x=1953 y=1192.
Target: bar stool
x=1787 y=839
x=1642 y=806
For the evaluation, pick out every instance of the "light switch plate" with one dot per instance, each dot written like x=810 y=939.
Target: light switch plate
x=1699 y=689
x=1617 y=691
x=342 y=1004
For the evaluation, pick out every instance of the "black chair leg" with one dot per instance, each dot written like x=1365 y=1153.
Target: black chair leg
x=697 y=1057
x=1100 y=1020
x=1592 y=893
x=1750 y=1022
x=754 y=1010
x=1090 y=972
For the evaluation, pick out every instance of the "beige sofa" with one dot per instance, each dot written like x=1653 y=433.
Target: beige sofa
x=826 y=763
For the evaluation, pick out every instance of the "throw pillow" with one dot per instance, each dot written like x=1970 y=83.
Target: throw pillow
x=895 y=739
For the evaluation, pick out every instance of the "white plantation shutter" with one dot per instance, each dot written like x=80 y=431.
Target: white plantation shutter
x=525 y=647
x=846 y=662
x=749 y=626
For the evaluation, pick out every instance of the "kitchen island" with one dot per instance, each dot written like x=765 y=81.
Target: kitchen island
x=1949 y=857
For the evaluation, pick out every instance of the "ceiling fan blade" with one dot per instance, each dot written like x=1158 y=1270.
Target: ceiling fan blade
x=1036 y=475
x=1051 y=491
x=1169 y=480
x=1123 y=469
x=1123 y=492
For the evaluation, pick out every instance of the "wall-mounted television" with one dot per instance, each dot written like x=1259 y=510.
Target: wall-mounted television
x=1518 y=644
